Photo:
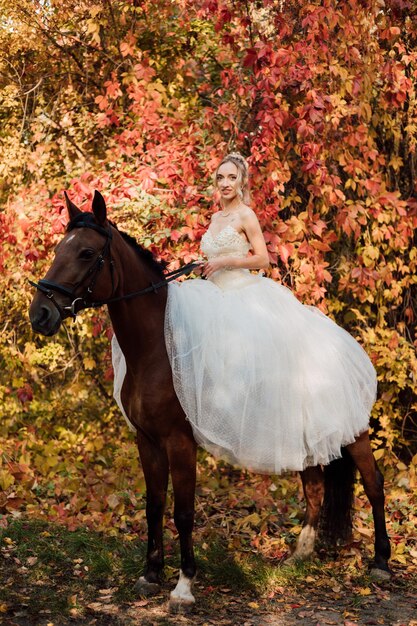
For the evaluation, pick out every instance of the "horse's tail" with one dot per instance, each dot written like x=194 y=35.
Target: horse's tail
x=336 y=512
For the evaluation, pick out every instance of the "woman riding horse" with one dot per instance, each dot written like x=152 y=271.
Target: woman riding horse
x=95 y=264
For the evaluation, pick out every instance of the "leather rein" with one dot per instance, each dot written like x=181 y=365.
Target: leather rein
x=79 y=303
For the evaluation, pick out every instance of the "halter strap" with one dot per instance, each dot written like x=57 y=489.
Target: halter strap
x=84 y=224
x=46 y=286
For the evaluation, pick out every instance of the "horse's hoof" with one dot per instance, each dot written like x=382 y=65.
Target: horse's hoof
x=294 y=560
x=178 y=604
x=181 y=599
x=304 y=547
x=380 y=574
x=145 y=589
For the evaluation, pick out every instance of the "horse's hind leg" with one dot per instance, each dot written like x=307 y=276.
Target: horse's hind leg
x=373 y=483
x=313 y=486
x=182 y=461
x=155 y=468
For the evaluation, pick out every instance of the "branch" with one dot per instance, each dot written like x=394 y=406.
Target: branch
x=68 y=137
x=26 y=93
x=33 y=88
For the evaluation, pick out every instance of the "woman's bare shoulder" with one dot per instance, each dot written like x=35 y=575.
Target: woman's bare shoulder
x=247 y=214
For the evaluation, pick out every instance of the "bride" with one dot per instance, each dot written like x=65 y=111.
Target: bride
x=266 y=382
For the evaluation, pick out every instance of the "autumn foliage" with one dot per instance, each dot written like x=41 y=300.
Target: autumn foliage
x=140 y=100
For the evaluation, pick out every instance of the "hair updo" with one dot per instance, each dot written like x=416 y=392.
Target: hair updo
x=242 y=174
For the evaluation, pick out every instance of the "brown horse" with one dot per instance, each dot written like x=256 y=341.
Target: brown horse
x=95 y=264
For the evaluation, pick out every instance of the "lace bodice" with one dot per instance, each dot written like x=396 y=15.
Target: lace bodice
x=228 y=242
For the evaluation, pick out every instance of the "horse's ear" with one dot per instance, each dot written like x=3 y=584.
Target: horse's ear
x=99 y=208
x=73 y=210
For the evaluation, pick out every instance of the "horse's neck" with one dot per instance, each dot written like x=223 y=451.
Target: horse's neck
x=139 y=322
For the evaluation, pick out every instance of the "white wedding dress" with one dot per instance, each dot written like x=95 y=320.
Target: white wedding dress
x=266 y=382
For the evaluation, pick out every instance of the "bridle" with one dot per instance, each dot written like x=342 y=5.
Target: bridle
x=79 y=303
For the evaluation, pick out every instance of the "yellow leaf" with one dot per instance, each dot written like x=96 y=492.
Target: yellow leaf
x=378 y=454
x=120 y=509
x=365 y=591
x=396 y=162
x=89 y=363
x=252 y=519
x=400 y=558
x=253 y=605
x=6 y=479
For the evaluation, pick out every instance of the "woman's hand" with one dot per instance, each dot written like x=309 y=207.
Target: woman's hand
x=198 y=271
x=214 y=265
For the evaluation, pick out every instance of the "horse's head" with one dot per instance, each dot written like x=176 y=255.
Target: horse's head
x=82 y=271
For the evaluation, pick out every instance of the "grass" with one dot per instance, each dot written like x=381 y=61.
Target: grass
x=51 y=565
x=67 y=576
x=54 y=569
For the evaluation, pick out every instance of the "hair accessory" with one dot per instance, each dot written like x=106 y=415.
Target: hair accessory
x=237 y=157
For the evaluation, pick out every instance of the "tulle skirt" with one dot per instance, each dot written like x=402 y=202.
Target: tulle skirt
x=266 y=382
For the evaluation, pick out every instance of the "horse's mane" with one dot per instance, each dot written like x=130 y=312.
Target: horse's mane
x=145 y=255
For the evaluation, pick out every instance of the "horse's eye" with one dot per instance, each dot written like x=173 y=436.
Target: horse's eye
x=87 y=254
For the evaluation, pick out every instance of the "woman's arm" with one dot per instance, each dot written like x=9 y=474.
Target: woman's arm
x=256 y=261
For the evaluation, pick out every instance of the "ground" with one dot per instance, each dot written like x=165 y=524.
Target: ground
x=52 y=576
x=73 y=546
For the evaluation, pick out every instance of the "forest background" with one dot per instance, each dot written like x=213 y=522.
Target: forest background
x=140 y=100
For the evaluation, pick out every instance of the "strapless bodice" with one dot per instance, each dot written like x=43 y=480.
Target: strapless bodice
x=228 y=242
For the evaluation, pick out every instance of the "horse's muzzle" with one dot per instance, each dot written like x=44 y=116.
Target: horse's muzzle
x=44 y=317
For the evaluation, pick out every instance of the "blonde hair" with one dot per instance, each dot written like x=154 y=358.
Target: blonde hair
x=243 y=174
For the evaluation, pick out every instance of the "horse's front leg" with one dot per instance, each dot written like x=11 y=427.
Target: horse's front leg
x=373 y=483
x=313 y=486
x=182 y=460
x=155 y=468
